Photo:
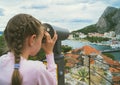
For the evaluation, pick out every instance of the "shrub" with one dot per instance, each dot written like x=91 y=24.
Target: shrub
x=66 y=48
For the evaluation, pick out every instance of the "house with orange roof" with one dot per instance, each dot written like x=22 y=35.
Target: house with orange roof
x=114 y=69
x=88 y=50
x=116 y=80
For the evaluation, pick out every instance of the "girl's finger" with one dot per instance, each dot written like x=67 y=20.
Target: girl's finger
x=47 y=35
x=55 y=36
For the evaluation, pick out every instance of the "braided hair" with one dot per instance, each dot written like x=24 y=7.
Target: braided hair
x=17 y=30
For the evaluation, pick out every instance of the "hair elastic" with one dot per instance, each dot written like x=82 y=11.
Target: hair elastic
x=16 y=66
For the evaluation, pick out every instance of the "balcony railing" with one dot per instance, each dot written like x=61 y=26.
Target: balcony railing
x=107 y=79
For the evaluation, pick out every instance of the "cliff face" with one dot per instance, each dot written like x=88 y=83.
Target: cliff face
x=109 y=21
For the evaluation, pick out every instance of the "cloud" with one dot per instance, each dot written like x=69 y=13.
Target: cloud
x=80 y=20
x=71 y=14
x=1 y=12
x=40 y=7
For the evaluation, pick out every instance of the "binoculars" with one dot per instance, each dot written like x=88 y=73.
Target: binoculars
x=62 y=33
x=59 y=58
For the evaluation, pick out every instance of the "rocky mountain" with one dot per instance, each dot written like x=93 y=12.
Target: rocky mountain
x=109 y=21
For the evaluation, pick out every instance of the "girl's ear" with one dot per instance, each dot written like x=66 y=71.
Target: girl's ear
x=32 y=40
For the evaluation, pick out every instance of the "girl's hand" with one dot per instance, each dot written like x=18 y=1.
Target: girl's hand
x=49 y=43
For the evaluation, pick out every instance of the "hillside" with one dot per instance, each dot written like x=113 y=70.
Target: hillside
x=108 y=21
x=88 y=29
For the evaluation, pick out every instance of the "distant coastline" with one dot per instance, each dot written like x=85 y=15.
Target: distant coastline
x=78 y=44
x=1 y=33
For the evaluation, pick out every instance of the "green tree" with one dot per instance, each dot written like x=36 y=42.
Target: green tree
x=96 y=39
x=65 y=48
x=2 y=45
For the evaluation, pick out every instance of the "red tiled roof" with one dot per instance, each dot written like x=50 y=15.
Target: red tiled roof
x=116 y=78
x=72 y=55
x=88 y=50
x=110 y=61
x=117 y=70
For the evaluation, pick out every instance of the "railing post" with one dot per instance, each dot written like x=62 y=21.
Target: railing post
x=92 y=55
x=89 y=69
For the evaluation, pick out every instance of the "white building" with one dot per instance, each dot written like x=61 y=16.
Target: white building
x=118 y=37
x=109 y=34
x=70 y=36
x=82 y=35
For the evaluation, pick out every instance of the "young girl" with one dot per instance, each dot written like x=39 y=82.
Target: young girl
x=23 y=35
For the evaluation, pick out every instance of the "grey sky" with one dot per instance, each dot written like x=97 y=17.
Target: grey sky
x=70 y=14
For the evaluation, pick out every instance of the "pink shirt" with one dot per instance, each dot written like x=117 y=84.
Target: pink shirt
x=33 y=72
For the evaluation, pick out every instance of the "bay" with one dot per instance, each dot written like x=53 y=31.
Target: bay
x=78 y=44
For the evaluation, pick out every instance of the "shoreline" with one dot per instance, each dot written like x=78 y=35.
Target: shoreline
x=75 y=44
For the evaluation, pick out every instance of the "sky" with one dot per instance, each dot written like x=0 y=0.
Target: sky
x=67 y=14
